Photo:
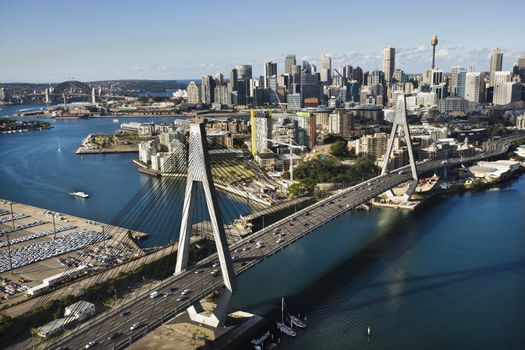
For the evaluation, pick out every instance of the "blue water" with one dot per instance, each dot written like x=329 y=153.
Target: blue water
x=449 y=276
x=41 y=168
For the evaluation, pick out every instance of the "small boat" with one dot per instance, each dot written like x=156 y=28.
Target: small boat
x=115 y=120
x=282 y=326
x=369 y=331
x=79 y=194
x=261 y=339
x=297 y=321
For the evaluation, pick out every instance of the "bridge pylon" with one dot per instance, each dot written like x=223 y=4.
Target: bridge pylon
x=199 y=172
x=400 y=122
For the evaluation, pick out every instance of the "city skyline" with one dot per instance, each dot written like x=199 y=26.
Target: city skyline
x=184 y=43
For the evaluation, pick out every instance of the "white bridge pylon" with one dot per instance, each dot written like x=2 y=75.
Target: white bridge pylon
x=400 y=121
x=199 y=172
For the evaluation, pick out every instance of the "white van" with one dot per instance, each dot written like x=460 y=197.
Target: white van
x=153 y=294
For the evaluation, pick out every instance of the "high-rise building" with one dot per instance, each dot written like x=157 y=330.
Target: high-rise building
x=244 y=71
x=376 y=77
x=496 y=63
x=474 y=87
x=208 y=90
x=270 y=69
x=500 y=80
x=357 y=74
x=326 y=69
x=310 y=87
x=437 y=76
x=219 y=79
x=399 y=76
x=194 y=93
x=295 y=74
x=223 y=94
x=389 y=63
x=460 y=83
x=261 y=127
x=289 y=61
x=457 y=76
x=233 y=79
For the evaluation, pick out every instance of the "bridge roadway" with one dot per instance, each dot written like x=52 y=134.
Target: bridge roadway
x=151 y=313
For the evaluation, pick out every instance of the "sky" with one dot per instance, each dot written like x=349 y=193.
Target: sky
x=57 y=40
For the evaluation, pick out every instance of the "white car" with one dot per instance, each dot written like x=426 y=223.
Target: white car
x=90 y=344
x=185 y=291
x=134 y=326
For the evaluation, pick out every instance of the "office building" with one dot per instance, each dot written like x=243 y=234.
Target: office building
x=326 y=69
x=310 y=87
x=474 y=87
x=499 y=82
x=223 y=94
x=389 y=64
x=270 y=69
x=357 y=74
x=244 y=71
x=453 y=104
x=208 y=90
x=261 y=128
x=295 y=75
x=194 y=93
x=289 y=61
x=233 y=79
x=496 y=63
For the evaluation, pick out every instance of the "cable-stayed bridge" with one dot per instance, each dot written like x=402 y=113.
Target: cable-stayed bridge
x=198 y=201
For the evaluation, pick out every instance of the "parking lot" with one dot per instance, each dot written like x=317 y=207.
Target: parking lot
x=36 y=254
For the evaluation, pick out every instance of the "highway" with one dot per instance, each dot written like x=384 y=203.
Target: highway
x=150 y=313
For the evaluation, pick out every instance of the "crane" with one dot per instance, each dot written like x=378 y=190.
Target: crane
x=291 y=146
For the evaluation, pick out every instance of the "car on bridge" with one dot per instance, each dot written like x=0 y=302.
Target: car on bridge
x=90 y=344
x=135 y=326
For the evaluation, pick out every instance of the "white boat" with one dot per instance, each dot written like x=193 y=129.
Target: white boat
x=282 y=326
x=297 y=321
x=79 y=194
x=115 y=120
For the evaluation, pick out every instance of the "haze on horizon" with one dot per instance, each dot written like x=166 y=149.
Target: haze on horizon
x=56 y=40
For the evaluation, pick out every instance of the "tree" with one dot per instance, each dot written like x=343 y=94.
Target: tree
x=339 y=149
x=297 y=189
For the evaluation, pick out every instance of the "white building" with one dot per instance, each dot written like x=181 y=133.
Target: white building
x=194 y=93
x=146 y=150
x=500 y=80
x=494 y=170
x=520 y=122
x=474 y=87
x=80 y=310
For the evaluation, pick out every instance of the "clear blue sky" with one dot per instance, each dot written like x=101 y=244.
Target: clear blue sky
x=53 y=40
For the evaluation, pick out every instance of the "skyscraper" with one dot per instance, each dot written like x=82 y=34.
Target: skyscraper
x=496 y=63
x=208 y=89
x=270 y=69
x=289 y=61
x=474 y=87
x=233 y=79
x=244 y=71
x=389 y=63
x=194 y=93
x=500 y=80
x=326 y=69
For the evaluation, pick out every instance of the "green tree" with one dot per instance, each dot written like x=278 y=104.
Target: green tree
x=339 y=149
